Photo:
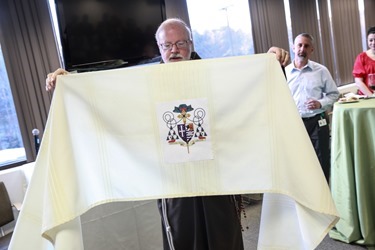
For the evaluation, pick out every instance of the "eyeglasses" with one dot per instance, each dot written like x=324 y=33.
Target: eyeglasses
x=179 y=44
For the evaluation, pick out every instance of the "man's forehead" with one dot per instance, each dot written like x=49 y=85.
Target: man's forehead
x=173 y=31
x=303 y=40
x=304 y=43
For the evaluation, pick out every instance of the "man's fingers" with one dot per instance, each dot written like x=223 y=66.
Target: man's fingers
x=286 y=58
x=51 y=78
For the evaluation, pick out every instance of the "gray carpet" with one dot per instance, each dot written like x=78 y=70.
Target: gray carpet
x=253 y=210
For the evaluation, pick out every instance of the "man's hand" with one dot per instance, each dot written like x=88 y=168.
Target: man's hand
x=51 y=78
x=313 y=104
x=281 y=55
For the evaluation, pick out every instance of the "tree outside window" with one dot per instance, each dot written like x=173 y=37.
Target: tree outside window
x=221 y=28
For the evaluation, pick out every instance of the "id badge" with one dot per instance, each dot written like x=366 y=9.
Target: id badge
x=322 y=122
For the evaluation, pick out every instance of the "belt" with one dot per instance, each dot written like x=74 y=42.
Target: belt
x=312 y=117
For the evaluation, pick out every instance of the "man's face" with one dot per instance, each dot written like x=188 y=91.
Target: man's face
x=178 y=40
x=302 y=48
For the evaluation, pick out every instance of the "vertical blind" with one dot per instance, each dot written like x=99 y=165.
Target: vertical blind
x=369 y=13
x=30 y=52
x=326 y=38
x=347 y=37
x=268 y=24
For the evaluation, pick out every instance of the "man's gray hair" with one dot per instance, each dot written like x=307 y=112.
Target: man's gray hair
x=308 y=36
x=173 y=22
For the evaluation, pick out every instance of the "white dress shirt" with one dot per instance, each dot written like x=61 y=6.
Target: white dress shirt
x=312 y=81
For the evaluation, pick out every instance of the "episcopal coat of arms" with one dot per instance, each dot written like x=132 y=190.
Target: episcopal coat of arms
x=185 y=124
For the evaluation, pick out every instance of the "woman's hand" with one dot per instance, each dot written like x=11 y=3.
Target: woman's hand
x=362 y=86
x=51 y=78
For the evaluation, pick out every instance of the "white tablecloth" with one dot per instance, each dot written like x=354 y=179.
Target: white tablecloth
x=107 y=140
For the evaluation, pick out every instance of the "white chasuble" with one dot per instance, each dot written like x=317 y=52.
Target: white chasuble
x=194 y=128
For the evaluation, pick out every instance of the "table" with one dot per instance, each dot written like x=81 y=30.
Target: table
x=353 y=171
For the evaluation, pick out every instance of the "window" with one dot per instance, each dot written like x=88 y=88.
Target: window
x=11 y=145
x=221 y=28
x=55 y=24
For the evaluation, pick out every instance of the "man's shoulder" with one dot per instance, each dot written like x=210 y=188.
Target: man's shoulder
x=315 y=65
x=322 y=70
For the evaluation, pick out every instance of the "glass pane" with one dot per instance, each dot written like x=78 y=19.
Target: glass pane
x=11 y=145
x=52 y=7
x=221 y=28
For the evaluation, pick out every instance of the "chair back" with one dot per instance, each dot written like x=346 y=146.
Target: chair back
x=6 y=211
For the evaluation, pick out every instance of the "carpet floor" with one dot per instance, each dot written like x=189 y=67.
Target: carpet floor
x=250 y=235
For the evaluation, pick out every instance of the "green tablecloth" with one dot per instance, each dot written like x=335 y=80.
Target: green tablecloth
x=353 y=171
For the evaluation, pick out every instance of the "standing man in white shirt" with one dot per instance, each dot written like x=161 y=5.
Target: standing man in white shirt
x=313 y=91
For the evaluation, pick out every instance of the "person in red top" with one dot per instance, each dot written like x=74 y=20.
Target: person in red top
x=365 y=64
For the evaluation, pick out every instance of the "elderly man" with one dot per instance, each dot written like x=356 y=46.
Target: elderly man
x=200 y=223
x=313 y=90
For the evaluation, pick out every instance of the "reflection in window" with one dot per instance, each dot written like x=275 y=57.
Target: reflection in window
x=11 y=145
x=55 y=23
x=221 y=28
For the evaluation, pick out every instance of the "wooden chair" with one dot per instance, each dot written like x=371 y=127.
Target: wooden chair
x=6 y=216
